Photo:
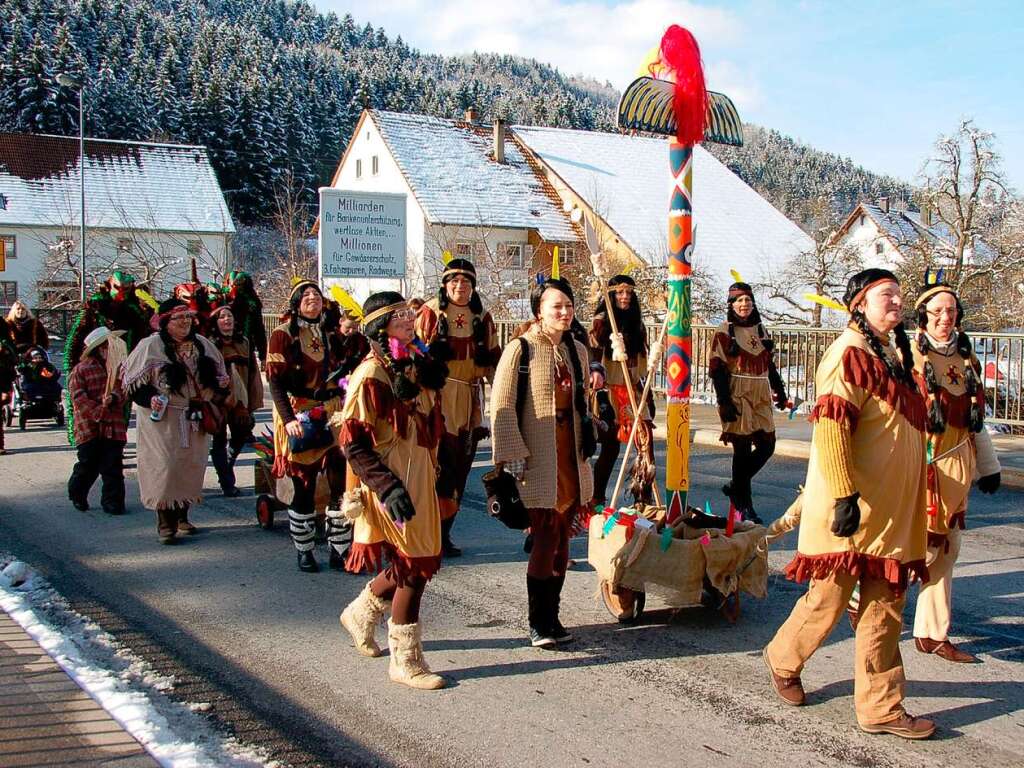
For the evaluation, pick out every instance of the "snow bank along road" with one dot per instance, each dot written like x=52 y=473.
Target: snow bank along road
x=230 y=617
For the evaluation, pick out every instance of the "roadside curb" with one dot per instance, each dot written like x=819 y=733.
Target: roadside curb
x=1011 y=477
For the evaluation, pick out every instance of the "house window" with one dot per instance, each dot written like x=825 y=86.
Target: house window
x=464 y=250
x=863 y=219
x=8 y=292
x=375 y=165
x=359 y=169
x=514 y=253
x=194 y=248
x=55 y=292
x=567 y=254
x=879 y=248
x=124 y=246
x=9 y=250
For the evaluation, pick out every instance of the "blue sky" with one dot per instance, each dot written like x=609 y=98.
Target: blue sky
x=875 y=81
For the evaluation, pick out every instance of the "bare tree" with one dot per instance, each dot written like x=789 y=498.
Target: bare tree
x=290 y=252
x=823 y=269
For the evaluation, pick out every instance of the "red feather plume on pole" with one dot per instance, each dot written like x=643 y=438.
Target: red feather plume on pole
x=680 y=54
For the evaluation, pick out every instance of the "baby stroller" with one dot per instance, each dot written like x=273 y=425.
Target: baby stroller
x=37 y=390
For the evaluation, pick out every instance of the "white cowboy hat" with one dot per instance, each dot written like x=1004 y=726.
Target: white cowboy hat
x=99 y=336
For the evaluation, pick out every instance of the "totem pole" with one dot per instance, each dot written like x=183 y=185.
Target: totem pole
x=673 y=101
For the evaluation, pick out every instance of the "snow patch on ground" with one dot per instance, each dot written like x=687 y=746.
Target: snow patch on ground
x=175 y=734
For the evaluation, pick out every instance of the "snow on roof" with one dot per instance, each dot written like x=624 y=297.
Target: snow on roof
x=906 y=230
x=128 y=185
x=626 y=180
x=448 y=166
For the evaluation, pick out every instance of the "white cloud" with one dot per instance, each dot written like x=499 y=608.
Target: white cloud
x=587 y=37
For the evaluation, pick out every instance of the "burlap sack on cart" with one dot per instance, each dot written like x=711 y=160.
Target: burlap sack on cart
x=728 y=562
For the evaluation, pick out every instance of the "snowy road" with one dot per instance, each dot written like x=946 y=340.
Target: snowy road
x=229 y=616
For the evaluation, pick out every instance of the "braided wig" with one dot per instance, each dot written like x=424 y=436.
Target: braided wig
x=936 y=418
x=629 y=321
x=175 y=371
x=408 y=374
x=855 y=289
x=440 y=349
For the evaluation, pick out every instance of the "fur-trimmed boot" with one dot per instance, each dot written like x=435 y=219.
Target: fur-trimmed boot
x=407 y=665
x=360 y=619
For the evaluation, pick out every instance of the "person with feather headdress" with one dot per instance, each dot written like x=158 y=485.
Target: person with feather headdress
x=460 y=332
x=862 y=511
x=742 y=370
x=303 y=373
x=247 y=310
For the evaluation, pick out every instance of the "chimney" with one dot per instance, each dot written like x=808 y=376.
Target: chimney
x=883 y=203
x=471 y=114
x=499 y=141
x=926 y=215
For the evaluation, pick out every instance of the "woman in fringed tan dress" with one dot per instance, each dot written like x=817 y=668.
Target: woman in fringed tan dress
x=392 y=424
x=187 y=369
x=959 y=448
x=863 y=513
x=746 y=382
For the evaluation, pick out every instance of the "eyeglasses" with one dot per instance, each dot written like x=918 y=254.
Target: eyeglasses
x=183 y=316
x=403 y=314
x=942 y=312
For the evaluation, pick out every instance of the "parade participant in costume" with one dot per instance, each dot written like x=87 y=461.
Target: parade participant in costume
x=24 y=329
x=616 y=403
x=546 y=447
x=247 y=308
x=196 y=296
x=8 y=361
x=101 y=429
x=459 y=332
x=746 y=382
x=392 y=426
x=302 y=372
x=177 y=380
x=245 y=399
x=861 y=521
x=116 y=305
x=958 y=446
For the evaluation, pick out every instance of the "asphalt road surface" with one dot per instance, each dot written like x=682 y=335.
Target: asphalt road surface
x=229 y=615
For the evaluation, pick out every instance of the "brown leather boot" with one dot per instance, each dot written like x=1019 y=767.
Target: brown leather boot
x=789 y=689
x=166 y=525
x=945 y=650
x=905 y=726
x=184 y=526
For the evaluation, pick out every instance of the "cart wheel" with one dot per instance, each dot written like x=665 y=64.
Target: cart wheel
x=22 y=420
x=626 y=605
x=8 y=415
x=265 y=512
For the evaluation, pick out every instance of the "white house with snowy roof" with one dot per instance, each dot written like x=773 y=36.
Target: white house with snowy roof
x=883 y=235
x=149 y=209
x=506 y=195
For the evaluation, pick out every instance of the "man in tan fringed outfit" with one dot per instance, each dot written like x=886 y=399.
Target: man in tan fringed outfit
x=861 y=521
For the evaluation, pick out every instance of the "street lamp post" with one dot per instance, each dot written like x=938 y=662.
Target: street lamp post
x=70 y=81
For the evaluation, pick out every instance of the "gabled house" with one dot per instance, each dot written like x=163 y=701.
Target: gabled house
x=506 y=195
x=469 y=191
x=883 y=236
x=149 y=209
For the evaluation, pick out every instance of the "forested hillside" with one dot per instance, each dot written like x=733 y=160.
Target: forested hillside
x=273 y=86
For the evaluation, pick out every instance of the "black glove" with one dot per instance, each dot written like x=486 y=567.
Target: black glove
x=989 y=483
x=399 y=505
x=727 y=410
x=846 y=520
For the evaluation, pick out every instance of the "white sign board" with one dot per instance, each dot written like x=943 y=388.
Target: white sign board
x=362 y=234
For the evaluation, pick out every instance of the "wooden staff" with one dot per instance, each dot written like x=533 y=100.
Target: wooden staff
x=651 y=365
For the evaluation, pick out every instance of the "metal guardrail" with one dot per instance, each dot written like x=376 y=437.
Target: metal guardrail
x=799 y=349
